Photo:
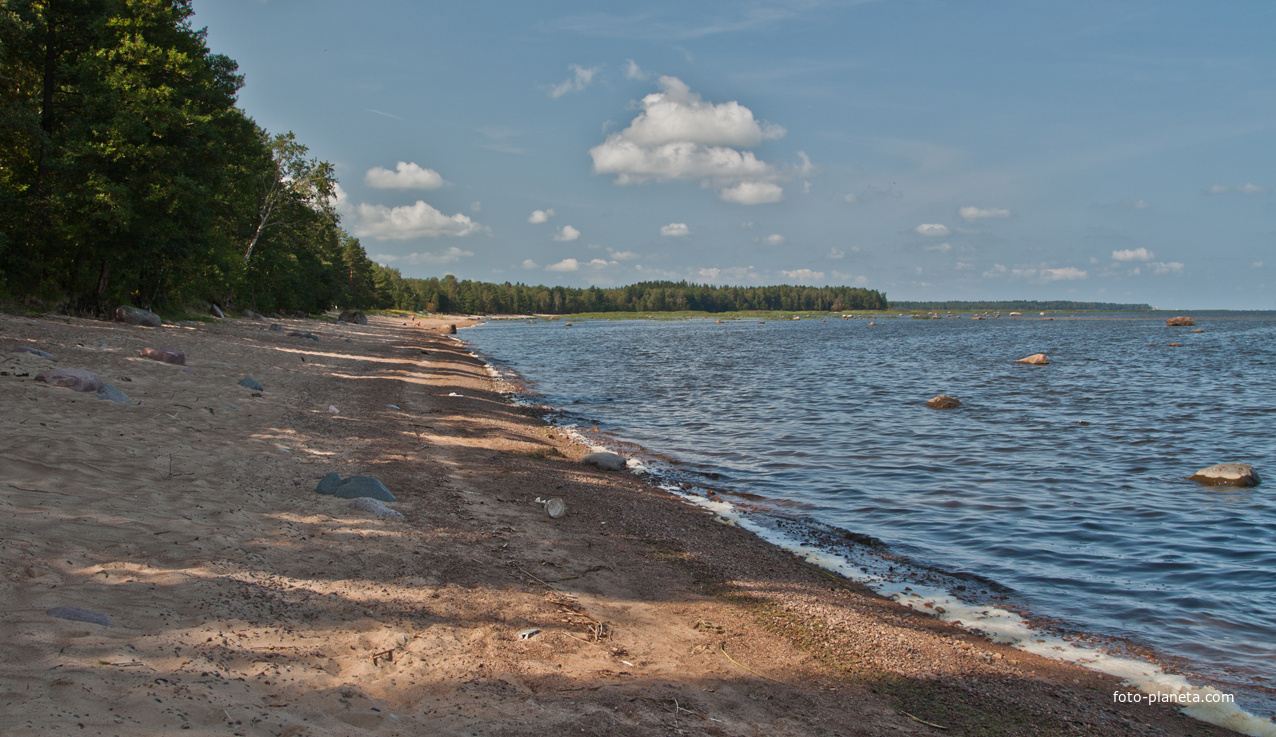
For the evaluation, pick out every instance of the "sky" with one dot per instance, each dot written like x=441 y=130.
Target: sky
x=933 y=150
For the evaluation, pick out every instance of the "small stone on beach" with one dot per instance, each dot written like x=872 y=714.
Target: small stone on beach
x=34 y=351
x=111 y=394
x=251 y=383
x=74 y=379
x=167 y=355
x=605 y=461
x=354 y=487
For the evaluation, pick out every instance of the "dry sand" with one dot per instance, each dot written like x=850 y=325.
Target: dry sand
x=244 y=603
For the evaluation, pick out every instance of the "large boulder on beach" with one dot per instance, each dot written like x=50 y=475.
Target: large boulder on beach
x=354 y=316
x=74 y=379
x=1180 y=322
x=943 y=401
x=1227 y=474
x=1036 y=359
x=605 y=461
x=354 y=487
x=167 y=355
x=137 y=316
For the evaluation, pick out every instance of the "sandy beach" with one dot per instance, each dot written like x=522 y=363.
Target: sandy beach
x=243 y=603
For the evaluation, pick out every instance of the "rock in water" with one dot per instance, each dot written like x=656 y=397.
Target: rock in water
x=1227 y=474
x=354 y=316
x=137 y=316
x=251 y=383
x=1180 y=322
x=111 y=394
x=1036 y=359
x=943 y=401
x=34 y=352
x=76 y=614
x=75 y=379
x=328 y=484
x=605 y=461
x=167 y=355
x=375 y=507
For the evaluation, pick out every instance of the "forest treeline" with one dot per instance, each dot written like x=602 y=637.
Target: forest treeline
x=128 y=175
x=481 y=298
x=1021 y=305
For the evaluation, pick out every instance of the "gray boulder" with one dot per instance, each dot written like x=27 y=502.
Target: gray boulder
x=251 y=383
x=354 y=316
x=34 y=352
x=75 y=379
x=276 y=328
x=1227 y=474
x=111 y=394
x=364 y=486
x=137 y=316
x=328 y=484
x=605 y=461
x=376 y=508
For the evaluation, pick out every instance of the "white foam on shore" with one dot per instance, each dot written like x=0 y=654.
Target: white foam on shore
x=999 y=625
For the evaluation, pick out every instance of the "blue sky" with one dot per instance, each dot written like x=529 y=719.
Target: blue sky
x=1113 y=151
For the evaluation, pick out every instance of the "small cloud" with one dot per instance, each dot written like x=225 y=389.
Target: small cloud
x=567 y=264
x=674 y=230
x=1162 y=268
x=806 y=188
x=450 y=256
x=633 y=71
x=1139 y=205
x=406 y=175
x=774 y=239
x=932 y=229
x=600 y=263
x=1242 y=189
x=942 y=247
x=622 y=255
x=834 y=253
x=530 y=264
x=418 y=220
x=753 y=193
x=476 y=206
x=710 y=274
x=850 y=198
x=1257 y=265
x=580 y=79
x=971 y=214
x=566 y=233
x=748 y=224
x=540 y=216
x=1068 y=273
x=1133 y=254
x=995 y=271
x=803 y=275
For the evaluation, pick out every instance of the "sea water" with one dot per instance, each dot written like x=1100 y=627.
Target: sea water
x=1055 y=492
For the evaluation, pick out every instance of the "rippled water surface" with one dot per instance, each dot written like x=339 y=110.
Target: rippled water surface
x=1064 y=483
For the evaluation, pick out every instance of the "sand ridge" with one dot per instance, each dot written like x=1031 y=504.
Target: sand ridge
x=244 y=603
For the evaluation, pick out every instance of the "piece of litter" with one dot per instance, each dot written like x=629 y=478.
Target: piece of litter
x=393 y=406
x=333 y=410
x=626 y=662
x=454 y=394
x=528 y=633
x=555 y=508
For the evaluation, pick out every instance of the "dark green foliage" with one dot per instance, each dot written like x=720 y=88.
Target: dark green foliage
x=127 y=174
x=470 y=297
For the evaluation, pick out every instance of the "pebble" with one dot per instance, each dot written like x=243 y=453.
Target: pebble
x=251 y=383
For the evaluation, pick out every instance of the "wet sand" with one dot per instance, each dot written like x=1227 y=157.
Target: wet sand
x=245 y=603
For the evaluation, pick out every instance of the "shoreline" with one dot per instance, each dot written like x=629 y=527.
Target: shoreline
x=245 y=603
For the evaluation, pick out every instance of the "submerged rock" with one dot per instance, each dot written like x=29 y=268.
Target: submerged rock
x=137 y=316
x=167 y=355
x=376 y=508
x=1036 y=359
x=605 y=461
x=943 y=401
x=1227 y=474
x=75 y=379
x=1180 y=322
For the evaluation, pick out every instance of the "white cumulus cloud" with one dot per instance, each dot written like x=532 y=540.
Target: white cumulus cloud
x=1241 y=189
x=774 y=239
x=406 y=175
x=679 y=136
x=1133 y=254
x=932 y=229
x=450 y=256
x=633 y=71
x=1163 y=267
x=803 y=275
x=622 y=255
x=580 y=79
x=942 y=247
x=530 y=264
x=566 y=233
x=673 y=230
x=567 y=264
x=418 y=220
x=971 y=214
x=753 y=193
x=540 y=216
x=834 y=253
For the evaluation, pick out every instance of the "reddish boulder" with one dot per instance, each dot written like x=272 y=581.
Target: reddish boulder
x=1036 y=359
x=943 y=401
x=74 y=379
x=1180 y=322
x=166 y=355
